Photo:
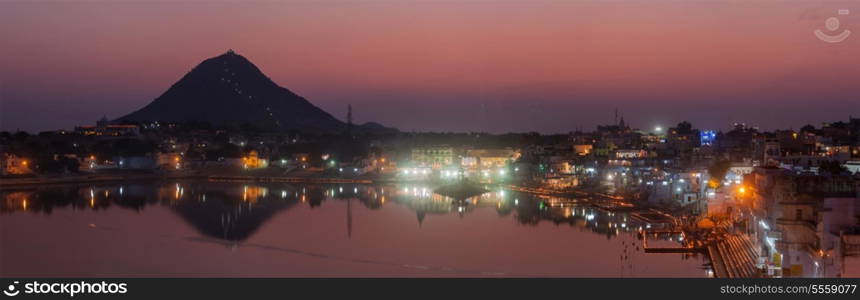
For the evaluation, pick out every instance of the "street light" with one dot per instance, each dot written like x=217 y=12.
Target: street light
x=658 y=129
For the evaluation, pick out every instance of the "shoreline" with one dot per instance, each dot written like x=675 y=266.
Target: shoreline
x=30 y=182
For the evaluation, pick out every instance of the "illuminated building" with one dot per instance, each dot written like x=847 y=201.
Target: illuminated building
x=103 y=127
x=489 y=158
x=707 y=137
x=433 y=156
x=15 y=165
x=253 y=161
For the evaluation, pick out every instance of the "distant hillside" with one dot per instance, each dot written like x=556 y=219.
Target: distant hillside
x=230 y=90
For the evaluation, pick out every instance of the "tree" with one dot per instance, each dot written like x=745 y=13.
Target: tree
x=20 y=136
x=226 y=151
x=684 y=128
x=719 y=169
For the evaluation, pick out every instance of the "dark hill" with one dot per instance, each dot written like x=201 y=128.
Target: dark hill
x=230 y=90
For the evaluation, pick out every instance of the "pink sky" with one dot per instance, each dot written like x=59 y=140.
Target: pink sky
x=446 y=65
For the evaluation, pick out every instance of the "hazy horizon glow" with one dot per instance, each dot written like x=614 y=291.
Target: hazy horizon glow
x=497 y=66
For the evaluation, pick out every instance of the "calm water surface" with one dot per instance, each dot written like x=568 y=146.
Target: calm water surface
x=275 y=230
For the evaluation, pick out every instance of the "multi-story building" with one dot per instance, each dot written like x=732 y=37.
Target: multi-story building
x=433 y=156
x=489 y=158
x=803 y=218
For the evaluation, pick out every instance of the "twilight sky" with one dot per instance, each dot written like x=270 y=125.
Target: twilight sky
x=446 y=65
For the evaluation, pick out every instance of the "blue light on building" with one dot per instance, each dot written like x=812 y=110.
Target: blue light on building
x=707 y=137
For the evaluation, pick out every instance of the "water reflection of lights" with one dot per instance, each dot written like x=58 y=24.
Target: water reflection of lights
x=417 y=198
x=252 y=194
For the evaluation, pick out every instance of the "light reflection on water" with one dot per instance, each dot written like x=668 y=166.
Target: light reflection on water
x=320 y=230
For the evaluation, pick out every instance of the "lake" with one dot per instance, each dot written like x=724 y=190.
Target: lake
x=212 y=229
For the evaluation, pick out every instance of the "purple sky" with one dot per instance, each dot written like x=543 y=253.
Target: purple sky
x=477 y=65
